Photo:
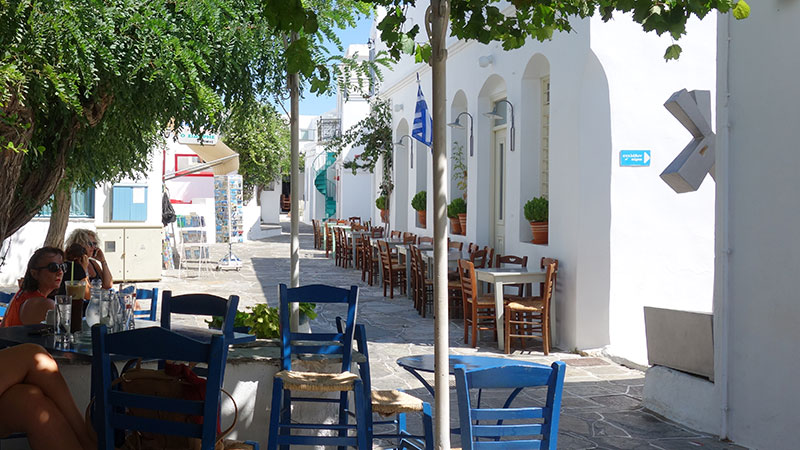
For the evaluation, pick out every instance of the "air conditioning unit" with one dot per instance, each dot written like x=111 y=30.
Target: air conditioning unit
x=133 y=252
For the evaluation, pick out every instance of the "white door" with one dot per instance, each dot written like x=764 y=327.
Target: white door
x=499 y=197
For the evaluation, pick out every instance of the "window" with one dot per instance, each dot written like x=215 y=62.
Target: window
x=81 y=205
x=129 y=203
x=544 y=165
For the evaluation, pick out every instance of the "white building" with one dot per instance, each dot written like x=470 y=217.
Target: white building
x=623 y=238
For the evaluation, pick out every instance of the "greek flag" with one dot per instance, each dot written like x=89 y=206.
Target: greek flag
x=423 y=123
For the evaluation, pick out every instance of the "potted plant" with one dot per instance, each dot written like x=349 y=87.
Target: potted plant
x=382 y=203
x=420 y=203
x=536 y=212
x=455 y=210
x=460 y=169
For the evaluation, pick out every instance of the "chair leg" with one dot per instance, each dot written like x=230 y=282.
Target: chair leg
x=546 y=334
x=507 y=337
x=361 y=415
x=343 y=414
x=474 y=328
x=275 y=414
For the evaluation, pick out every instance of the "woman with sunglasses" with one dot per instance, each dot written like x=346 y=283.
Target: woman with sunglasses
x=43 y=276
x=98 y=267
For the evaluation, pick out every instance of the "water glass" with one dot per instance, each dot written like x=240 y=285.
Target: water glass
x=63 y=319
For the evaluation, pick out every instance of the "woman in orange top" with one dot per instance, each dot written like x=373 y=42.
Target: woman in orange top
x=43 y=276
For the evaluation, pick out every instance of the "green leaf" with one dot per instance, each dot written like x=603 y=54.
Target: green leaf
x=741 y=10
x=406 y=44
x=673 y=52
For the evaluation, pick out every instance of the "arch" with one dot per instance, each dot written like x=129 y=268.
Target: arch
x=534 y=136
x=400 y=199
x=459 y=146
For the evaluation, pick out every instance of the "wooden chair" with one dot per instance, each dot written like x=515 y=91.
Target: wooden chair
x=328 y=240
x=376 y=232
x=344 y=249
x=529 y=317
x=392 y=271
x=479 y=310
x=354 y=219
x=287 y=381
x=370 y=265
x=396 y=234
x=511 y=260
x=454 y=245
x=111 y=407
x=509 y=428
x=409 y=238
x=423 y=286
x=425 y=240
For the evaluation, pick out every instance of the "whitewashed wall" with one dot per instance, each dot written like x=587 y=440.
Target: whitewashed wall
x=620 y=243
x=759 y=253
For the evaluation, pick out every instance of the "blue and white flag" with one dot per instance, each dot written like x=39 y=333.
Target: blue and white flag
x=423 y=123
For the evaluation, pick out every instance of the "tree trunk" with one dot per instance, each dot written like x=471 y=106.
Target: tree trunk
x=59 y=218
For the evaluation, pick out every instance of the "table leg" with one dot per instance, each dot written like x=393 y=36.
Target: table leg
x=499 y=313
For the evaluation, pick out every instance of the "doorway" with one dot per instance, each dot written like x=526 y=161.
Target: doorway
x=499 y=190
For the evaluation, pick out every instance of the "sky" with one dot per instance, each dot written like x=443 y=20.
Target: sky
x=315 y=106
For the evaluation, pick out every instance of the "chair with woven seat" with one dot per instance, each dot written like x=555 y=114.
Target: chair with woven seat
x=423 y=295
x=396 y=234
x=112 y=407
x=425 y=240
x=480 y=259
x=522 y=427
x=393 y=272
x=409 y=238
x=285 y=382
x=529 y=317
x=479 y=309
x=376 y=232
x=513 y=261
x=454 y=245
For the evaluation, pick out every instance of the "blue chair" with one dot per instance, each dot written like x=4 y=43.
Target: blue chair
x=200 y=305
x=5 y=299
x=528 y=422
x=339 y=344
x=147 y=294
x=161 y=344
x=392 y=402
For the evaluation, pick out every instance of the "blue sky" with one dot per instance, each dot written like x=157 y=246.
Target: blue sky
x=314 y=106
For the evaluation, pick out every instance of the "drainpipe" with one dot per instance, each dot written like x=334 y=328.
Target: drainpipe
x=722 y=316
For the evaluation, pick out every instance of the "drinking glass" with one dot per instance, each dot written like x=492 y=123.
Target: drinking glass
x=63 y=318
x=77 y=290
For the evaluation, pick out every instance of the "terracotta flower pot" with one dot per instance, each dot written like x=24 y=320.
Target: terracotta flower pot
x=462 y=220
x=422 y=215
x=385 y=215
x=539 y=230
x=455 y=225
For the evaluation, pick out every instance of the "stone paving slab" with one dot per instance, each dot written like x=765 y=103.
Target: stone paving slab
x=602 y=400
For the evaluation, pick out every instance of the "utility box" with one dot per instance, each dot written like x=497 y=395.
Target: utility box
x=133 y=252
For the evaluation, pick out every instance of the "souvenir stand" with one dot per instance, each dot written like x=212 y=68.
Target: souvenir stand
x=228 y=204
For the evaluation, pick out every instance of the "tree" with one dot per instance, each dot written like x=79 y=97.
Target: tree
x=261 y=138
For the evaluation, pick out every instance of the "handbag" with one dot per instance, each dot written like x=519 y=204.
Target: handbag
x=174 y=381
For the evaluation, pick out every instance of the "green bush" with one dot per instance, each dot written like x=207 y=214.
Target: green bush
x=456 y=207
x=537 y=210
x=381 y=202
x=420 y=201
x=264 y=321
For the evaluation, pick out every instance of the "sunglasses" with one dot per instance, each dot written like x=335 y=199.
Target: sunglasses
x=92 y=244
x=54 y=267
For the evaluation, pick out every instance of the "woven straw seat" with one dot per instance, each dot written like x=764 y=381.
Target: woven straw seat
x=485 y=301
x=317 y=382
x=530 y=304
x=237 y=445
x=393 y=401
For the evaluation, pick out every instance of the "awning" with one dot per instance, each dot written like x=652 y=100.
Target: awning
x=210 y=153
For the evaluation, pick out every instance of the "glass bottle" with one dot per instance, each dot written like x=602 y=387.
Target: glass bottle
x=93 y=311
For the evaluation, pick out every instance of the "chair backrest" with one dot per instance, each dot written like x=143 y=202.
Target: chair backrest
x=160 y=344
x=466 y=274
x=425 y=240
x=340 y=343
x=5 y=297
x=200 y=305
x=386 y=256
x=511 y=260
x=409 y=238
x=472 y=247
x=147 y=294
x=354 y=219
x=454 y=245
x=376 y=232
x=482 y=258
x=544 y=263
x=396 y=234
x=548 y=287
x=518 y=427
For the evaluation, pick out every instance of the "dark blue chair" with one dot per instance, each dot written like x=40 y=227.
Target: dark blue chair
x=392 y=402
x=531 y=427
x=5 y=299
x=200 y=305
x=339 y=345
x=160 y=344
x=147 y=294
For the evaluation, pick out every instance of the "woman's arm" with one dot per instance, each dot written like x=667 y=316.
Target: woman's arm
x=34 y=310
x=106 y=272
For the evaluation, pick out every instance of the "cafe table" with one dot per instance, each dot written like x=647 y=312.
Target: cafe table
x=501 y=276
x=81 y=348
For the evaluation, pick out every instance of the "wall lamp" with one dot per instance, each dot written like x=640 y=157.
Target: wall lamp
x=494 y=114
x=460 y=126
x=411 y=146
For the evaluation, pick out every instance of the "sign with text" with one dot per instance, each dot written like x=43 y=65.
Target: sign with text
x=634 y=158
x=185 y=137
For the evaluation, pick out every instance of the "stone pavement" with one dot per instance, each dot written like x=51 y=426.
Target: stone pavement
x=602 y=400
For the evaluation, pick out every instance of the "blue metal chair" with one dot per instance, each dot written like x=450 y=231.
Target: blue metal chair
x=200 y=305
x=531 y=427
x=161 y=344
x=147 y=294
x=5 y=299
x=392 y=402
x=338 y=344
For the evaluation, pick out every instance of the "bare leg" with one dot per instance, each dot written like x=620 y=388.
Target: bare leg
x=31 y=364
x=24 y=408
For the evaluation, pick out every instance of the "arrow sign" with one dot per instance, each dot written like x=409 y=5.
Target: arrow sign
x=634 y=158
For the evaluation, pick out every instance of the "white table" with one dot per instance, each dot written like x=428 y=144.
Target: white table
x=511 y=275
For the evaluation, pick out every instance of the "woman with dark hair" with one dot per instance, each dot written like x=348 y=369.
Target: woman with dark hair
x=35 y=400
x=98 y=267
x=43 y=276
